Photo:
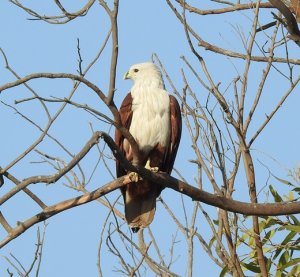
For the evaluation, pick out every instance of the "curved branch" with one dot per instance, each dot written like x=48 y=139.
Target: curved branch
x=54 y=76
x=55 y=177
x=273 y=209
x=290 y=23
x=108 y=101
x=233 y=8
x=220 y=201
x=222 y=51
x=283 y=208
x=59 y=19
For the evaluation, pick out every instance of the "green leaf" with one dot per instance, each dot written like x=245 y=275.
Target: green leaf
x=290 y=263
x=295 y=271
x=252 y=267
x=290 y=196
x=224 y=271
x=283 y=181
x=211 y=242
x=275 y=194
x=295 y=228
x=216 y=222
x=296 y=190
x=268 y=236
x=251 y=242
x=286 y=240
x=282 y=262
x=269 y=264
x=296 y=221
x=270 y=222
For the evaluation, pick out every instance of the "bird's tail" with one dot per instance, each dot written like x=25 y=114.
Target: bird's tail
x=140 y=204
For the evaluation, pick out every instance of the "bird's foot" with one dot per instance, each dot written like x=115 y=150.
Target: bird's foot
x=134 y=177
x=152 y=169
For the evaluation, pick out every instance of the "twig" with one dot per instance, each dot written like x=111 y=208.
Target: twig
x=222 y=51
x=270 y=116
x=60 y=19
x=93 y=87
x=4 y=223
x=157 y=269
x=115 y=50
x=26 y=190
x=79 y=59
x=55 y=177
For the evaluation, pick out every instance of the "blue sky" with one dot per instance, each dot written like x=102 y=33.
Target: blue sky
x=145 y=27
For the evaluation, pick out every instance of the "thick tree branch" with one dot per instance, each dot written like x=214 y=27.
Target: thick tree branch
x=274 y=209
x=283 y=208
x=62 y=206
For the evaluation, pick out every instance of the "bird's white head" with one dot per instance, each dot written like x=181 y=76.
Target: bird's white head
x=145 y=74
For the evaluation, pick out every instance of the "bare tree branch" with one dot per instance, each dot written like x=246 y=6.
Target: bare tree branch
x=60 y=207
x=234 y=7
x=290 y=23
x=93 y=87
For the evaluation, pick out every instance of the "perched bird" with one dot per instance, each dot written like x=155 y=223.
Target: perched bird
x=153 y=118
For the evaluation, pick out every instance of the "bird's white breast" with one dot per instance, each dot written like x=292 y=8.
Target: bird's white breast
x=150 y=123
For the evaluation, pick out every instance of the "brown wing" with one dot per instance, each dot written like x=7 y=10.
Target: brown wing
x=175 y=135
x=126 y=116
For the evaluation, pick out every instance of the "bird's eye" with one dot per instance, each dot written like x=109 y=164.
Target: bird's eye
x=135 y=70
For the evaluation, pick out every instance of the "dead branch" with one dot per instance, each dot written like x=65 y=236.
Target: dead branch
x=60 y=207
x=232 y=8
x=157 y=269
x=109 y=102
x=56 y=19
x=26 y=190
x=290 y=21
x=282 y=208
x=214 y=48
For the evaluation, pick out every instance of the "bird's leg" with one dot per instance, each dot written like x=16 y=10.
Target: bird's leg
x=134 y=177
x=153 y=169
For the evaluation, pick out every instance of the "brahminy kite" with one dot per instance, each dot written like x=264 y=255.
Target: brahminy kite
x=153 y=118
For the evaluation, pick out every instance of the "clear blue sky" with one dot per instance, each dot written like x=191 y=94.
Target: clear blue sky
x=145 y=27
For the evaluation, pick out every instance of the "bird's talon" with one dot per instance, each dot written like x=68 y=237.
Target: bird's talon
x=152 y=169
x=134 y=177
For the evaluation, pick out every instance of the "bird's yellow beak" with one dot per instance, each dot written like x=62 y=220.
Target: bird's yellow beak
x=126 y=76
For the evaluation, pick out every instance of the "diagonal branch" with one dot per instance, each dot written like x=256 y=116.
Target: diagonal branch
x=55 y=177
x=60 y=207
x=233 y=8
x=282 y=208
x=110 y=104
x=290 y=21
x=216 y=49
